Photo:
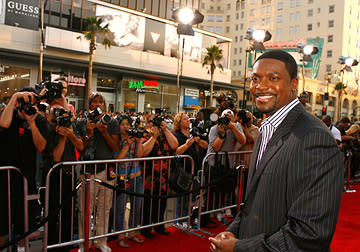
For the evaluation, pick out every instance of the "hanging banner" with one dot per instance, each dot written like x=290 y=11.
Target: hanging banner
x=22 y=13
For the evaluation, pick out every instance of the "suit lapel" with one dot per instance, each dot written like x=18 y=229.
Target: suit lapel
x=272 y=147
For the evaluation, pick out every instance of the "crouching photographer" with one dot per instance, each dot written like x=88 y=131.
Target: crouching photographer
x=100 y=134
x=22 y=134
x=62 y=142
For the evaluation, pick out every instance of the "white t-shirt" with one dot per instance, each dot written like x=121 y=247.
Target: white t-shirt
x=336 y=133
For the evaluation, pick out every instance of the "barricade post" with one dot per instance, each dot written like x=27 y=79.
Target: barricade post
x=227 y=200
x=8 y=169
x=96 y=165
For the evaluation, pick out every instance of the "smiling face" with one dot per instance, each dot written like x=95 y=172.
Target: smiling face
x=271 y=85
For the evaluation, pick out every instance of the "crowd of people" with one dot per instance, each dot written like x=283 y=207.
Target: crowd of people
x=38 y=138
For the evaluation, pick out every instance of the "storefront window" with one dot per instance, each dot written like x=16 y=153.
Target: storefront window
x=108 y=87
x=169 y=98
x=12 y=79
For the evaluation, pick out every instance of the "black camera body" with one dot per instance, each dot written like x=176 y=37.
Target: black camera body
x=94 y=116
x=230 y=102
x=63 y=117
x=135 y=132
x=157 y=120
x=243 y=117
x=54 y=90
x=223 y=121
x=27 y=107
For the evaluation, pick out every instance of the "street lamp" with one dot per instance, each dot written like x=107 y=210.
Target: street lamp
x=185 y=19
x=256 y=39
x=347 y=63
x=306 y=51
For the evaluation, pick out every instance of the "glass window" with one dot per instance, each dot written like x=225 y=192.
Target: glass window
x=210 y=29
x=252 y=12
x=237 y=15
x=236 y=27
x=240 y=61
x=252 y=24
x=291 y=30
x=331 y=23
x=269 y=8
x=241 y=38
x=328 y=68
x=167 y=98
x=108 y=87
x=309 y=27
x=227 y=29
x=298 y=2
x=279 y=32
x=330 y=38
x=263 y=10
x=239 y=73
x=218 y=30
x=280 y=6
x=279 y=19
x=219 y=18
x=310 y=1
x=234 y=62
x=12 y=79
x=228 y=6
x=241 y=26
x=297 y=15
x=329 y=53
x=210 y=18
x=297 y=29
x=310 y=13
x=219 y=8
x=331 y=8
x=240 y=50
x=292 y=16
x=268 y=21
x=235 y=50
x=292 y=3
x=319 y=99
x=236 y=38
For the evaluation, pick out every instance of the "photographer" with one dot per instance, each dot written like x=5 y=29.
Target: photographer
x=128 y=173
x=100 y=134
x=158 y=141
x=62 y=142
x=23 y=133
x=225 y=102
x=353 y=146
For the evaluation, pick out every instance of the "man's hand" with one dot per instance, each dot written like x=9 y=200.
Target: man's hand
x=90 y=126
x=30 y=118
x=101 y=127
x=63 y=131
x=29 y=97
x=163 y=126
x=223 y=242
x=221 y=129
x=155 y=132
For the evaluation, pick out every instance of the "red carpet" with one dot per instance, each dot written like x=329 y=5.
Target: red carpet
x=346 y=238
x=347 y=234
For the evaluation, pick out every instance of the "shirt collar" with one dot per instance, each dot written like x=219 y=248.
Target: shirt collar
x=275 y=119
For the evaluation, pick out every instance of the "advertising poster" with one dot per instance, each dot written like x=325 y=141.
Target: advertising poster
x=224 y=46
x=127 y=30
x=154 y=36
x=171 y=41
x=22 y=13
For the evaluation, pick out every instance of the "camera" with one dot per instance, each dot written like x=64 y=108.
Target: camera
x=243 y=117
x=27 y=107
x=159 y=111
x=93 y=116
x=135 y=132
x=63 y=117
x=230 y=102
x=157 y=120
x=223 y=120
x=54 y=90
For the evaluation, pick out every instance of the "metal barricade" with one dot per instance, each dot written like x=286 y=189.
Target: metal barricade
x=211 y=199
x=13 y=175
x=146 y=180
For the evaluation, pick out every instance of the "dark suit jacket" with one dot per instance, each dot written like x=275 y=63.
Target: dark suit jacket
x=293 y=197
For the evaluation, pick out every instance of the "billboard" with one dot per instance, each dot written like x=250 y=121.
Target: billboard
x=154 y=36
x=127 y=30
x=22 y=13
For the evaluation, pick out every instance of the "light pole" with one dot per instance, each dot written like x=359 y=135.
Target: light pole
x=305 y=52
x=347 y=63
x=256 y=43
x=185 y=19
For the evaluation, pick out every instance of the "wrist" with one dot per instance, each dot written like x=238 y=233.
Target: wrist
x=222 y=135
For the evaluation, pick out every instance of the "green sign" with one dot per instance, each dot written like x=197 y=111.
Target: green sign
x=144 y=84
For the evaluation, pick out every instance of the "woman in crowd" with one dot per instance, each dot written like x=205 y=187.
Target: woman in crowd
x=158 y=141
x=129 y=173
x=189 y=144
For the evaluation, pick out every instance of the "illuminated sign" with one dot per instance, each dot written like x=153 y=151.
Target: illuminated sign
x=153 y=84
x=284 y=44
x=76 y=81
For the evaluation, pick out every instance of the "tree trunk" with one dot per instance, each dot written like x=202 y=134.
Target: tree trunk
x=90 y=75
x=211 y=89
x=339 y=105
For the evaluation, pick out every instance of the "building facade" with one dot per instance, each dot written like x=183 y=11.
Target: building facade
x=337 y=22
x=137 y=73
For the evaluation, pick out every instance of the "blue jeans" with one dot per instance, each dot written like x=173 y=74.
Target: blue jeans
x=136 y=185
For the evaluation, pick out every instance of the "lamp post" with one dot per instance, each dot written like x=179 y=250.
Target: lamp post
x=185 y=19
x=347 y=63
x=256 y=43
x=305 y=52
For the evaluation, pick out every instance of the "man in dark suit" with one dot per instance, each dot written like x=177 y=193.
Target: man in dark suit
x=295 y=177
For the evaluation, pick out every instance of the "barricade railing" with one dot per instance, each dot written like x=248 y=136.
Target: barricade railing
x=142 y=181
x=16 y=194
x=216 y=195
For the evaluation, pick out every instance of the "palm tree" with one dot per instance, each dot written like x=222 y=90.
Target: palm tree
x=340 y=87
x=94 y=26
x=213 y=56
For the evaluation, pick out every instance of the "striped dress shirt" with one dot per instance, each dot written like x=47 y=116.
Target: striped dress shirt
x=270 y=124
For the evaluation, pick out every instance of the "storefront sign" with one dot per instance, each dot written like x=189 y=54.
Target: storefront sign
x=191 y=92
x=215 y=94
x=285 y=44
x=23 y=13
x=152 y=84
x=76 y=81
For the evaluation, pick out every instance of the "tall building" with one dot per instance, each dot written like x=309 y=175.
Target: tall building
x=139 y=72
x=290 y=22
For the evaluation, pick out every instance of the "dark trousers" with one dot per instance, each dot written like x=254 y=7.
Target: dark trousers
x=155 y=216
